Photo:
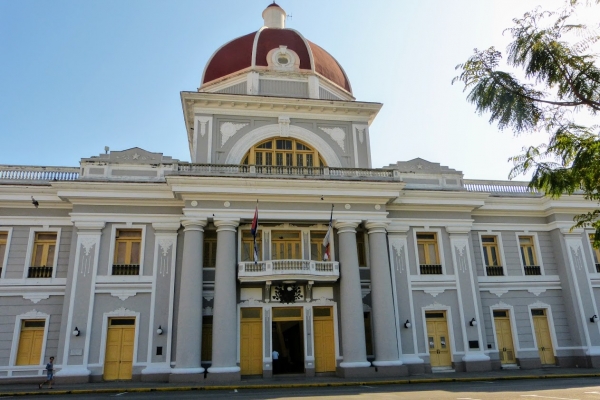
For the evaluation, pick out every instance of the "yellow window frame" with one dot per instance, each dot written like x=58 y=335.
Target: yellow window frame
x=129 y=241
x=427 y=243
x=252 y=159
x=488 y=248
x=248 y=246
x=3 y=244
x=595 y=251
x=528 y=255
x=43 y=245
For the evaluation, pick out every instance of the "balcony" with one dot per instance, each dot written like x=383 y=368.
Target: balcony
x=532 y=270
x=494 y=270
x=321 y=271
x=39 y=272
x=430 y=269
x=125 y=269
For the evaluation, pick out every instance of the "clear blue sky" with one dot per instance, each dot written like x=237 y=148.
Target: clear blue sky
x=76 y=76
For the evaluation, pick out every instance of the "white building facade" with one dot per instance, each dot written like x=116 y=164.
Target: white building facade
x=135 y=265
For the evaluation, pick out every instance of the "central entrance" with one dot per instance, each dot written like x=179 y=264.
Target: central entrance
x=288 y=340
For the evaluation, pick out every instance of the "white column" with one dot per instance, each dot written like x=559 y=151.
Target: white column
x=382 y=301
x=224 y=351
x=351 y=307
x=189 y=319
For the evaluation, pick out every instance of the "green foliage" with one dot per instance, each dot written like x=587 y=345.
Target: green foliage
x=560 y=79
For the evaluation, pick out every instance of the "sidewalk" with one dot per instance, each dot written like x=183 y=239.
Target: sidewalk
x=296 y=381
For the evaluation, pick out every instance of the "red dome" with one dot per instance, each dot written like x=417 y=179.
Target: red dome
x=238 y=54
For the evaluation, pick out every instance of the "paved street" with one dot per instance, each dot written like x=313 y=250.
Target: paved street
x=528 y=389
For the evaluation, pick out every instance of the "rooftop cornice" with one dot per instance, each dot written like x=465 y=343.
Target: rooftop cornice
x=190 y=188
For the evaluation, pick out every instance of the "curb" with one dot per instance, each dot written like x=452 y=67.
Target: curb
x=295 y=385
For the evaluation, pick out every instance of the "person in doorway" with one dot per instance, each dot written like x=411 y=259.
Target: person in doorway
x=49 y=374
x=275 y=361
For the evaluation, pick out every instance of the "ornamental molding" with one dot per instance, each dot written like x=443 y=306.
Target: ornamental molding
x=121 y=312
x=284 y=126
x=337 y=134
x=228 y=129
x=123 y=294
x=33 y=314
x=498 y=292
x=434 y=291
x=577 y=254
x=501 y=304
x=536 y=291
x=539 y=304
x=255 y=136
x=36 y=297
x=203 y=122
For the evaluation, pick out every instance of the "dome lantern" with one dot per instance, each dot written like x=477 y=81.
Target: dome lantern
x=274 y=16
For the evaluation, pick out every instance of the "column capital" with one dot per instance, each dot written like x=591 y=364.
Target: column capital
x=196 y=224
x=166 y=226
x=90 y=225
x=229 y=224
x=376 y=226
x=398 y=229
x=344 y=226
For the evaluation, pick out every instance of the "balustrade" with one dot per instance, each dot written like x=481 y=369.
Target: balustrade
x=430 y=269
x=532 y=270
x=125 y=269
x=494 y=270
x=302 y=269
x=39 y=272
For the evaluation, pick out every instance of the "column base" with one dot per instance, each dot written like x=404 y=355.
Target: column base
x=224 y=374
x=156 y=373
x=187 y=375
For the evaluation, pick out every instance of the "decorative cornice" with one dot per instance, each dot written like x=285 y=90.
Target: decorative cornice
x=346 y=226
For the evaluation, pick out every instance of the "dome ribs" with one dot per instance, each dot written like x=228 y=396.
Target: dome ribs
x=270 y=39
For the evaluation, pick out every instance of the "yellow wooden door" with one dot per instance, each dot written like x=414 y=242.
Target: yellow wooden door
x=324 y=339
x=30 y=342
x=251 y=360
x=504 y=338
x=286 y=245
x=120 y=339
x=543 y=338
x=438 y=339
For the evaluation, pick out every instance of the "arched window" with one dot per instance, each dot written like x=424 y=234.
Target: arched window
x=283 y=152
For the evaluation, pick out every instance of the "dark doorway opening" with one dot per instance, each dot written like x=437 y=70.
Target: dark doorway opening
x=288 y=342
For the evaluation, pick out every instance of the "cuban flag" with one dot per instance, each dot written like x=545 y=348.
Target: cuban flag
x=254 y=231
x=327 y=238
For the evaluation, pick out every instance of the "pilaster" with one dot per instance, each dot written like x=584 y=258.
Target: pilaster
x=80 y=285
x=403 y=299
x=162 y=298
x=469 y=305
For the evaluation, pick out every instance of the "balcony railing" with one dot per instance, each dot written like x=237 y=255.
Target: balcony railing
x=291 y=171
x=532 y=270
x=431 y=269
x=39 y=272
x=125 y=269
x=33 y=173
x=506 y=187
x=494 y=270
x=288 y=269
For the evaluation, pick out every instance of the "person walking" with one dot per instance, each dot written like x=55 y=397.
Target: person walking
x=49 y=374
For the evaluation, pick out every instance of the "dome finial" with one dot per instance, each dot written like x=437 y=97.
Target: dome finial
x=274 y=16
